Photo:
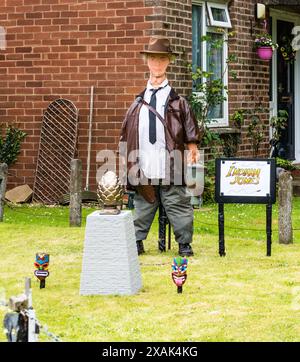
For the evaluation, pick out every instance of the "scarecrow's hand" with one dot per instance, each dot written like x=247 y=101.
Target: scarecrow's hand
x=193 y=154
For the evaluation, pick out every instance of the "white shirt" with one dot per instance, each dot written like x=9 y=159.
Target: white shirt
x=153 y=156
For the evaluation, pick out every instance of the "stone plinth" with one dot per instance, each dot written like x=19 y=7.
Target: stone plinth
x=110 y=261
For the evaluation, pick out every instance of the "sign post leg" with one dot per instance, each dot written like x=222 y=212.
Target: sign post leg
x=221 y=230
x=169 y=236
x=269 y=228
x=162 y=228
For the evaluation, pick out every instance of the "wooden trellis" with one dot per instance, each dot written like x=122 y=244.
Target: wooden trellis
x=56 y=150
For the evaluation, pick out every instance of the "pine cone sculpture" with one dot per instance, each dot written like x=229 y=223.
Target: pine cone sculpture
x=110 y=190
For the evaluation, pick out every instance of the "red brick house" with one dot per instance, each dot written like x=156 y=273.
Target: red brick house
x=60 y=48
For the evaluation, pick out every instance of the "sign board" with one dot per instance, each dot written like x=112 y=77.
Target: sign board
x=41 y=273
x=245 y=180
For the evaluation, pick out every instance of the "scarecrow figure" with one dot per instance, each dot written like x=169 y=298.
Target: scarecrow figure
x=158 y=127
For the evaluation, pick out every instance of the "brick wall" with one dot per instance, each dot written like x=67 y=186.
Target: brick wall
x=251 y=89
x=60 y=48
x=175 y=22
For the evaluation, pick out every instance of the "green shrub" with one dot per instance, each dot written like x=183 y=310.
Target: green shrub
x=256 y=133
x=208 y=195
x=286 y=164
x=238 y=117
x=10 y=144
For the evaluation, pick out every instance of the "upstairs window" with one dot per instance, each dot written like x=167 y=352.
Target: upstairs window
x=218 y=15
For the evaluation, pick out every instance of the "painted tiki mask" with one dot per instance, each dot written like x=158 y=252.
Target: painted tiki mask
x=179 y=272
x=42 y=264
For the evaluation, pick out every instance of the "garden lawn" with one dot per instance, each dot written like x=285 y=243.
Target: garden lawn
x=245 y=296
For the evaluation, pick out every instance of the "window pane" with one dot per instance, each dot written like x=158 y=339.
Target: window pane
x=219 y=14
x=215 y=65
x=196 y=35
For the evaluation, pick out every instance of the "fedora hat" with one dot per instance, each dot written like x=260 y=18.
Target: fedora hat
x=159 y=45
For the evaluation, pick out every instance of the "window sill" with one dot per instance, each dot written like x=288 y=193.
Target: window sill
x=225 y=130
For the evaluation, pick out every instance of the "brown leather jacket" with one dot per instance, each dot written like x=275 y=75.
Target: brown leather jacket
x=182 y=128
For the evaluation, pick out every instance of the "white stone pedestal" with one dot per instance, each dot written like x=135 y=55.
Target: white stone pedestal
x=110 y=261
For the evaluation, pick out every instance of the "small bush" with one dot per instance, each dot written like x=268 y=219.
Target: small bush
x=286 y=164
x=10 y=144
x=208 y=195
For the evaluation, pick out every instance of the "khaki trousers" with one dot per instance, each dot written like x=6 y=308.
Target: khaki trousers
x=178 y=209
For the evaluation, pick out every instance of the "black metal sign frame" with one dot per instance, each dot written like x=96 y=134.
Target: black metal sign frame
x=269 y=199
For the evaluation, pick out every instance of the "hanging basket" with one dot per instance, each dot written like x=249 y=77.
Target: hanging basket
x=265 y=53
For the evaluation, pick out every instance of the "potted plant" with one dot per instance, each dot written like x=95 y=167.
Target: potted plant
x=264 y=46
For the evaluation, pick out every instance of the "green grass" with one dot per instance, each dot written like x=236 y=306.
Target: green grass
x=245 y=296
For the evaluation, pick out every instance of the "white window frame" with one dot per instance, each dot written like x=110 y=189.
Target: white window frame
x=212 y=21
x=221 y=122
x=217 y=122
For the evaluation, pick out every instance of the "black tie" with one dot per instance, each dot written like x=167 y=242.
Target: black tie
x=152 y=117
